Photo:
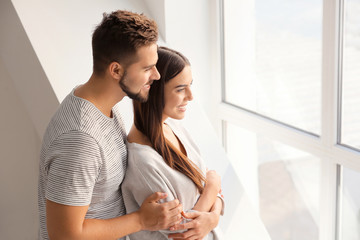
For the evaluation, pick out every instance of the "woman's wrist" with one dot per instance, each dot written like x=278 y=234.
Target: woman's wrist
x=214 y=219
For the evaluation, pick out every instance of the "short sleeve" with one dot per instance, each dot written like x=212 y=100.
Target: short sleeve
x=72 y=167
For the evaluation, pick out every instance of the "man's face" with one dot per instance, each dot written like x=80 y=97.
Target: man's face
x=138 y=77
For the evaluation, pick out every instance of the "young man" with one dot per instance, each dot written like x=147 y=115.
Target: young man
x=83 y=156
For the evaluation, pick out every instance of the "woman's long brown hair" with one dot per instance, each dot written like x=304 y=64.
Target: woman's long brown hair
x=148 y=116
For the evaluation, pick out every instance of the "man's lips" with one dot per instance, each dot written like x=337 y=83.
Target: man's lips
x=148 y=84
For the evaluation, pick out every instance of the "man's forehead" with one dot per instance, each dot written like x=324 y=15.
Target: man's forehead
x=147 y=50
x=146 y=55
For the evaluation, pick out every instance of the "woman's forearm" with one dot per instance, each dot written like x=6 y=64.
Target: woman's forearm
x=217 y=207
x=207 y=199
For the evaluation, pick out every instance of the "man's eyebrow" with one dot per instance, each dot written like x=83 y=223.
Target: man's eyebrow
x=149 y=66
x=152 y=65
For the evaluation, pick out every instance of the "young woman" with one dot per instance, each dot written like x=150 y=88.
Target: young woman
x=162 y=157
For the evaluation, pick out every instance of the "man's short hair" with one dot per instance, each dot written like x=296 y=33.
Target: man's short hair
x=118 y=36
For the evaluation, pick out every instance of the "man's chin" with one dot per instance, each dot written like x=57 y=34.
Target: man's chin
x=138 y=97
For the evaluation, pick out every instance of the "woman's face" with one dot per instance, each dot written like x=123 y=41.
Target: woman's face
x=177 y=93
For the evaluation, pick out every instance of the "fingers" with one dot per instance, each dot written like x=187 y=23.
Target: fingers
x=175 y=215
x=175 y=220
x=170 y=215
x=156 y=197
x=177 y=210
x=185 y=235
x=188 y=225
x=156 y=216
x=174 y=204
x=190 y=215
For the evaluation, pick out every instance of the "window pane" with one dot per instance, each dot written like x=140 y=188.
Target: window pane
x=283 y=182
x=351 y=75
x=273 y=59
x=350 y=209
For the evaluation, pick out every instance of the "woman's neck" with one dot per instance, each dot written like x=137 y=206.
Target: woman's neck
x=173 y=139
x=137 y=136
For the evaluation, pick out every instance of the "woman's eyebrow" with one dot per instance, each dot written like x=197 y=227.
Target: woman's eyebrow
x=184 y=85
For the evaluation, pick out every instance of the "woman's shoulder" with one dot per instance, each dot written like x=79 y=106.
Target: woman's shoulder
x=182 y=133
x=135 y=136
x=140 y=152
x=142 y=157
x=177 y=127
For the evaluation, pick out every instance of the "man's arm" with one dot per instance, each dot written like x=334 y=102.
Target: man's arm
x=68 y=222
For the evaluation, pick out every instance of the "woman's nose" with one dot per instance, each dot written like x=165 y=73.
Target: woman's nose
x=189 y=95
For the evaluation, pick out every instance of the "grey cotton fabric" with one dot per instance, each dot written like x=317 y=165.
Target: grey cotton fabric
x=148 y=173
x=83 y=161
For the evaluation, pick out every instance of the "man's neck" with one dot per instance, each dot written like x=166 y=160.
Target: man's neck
x=104 y=93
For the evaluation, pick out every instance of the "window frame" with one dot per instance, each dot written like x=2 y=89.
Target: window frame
x=327 y=146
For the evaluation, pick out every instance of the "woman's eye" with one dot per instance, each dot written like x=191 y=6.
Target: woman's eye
x=179 y=90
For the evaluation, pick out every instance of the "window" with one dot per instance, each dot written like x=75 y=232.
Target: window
x=273 y=59
x=351 y=75
x=284 y=181
x=350 y=205
x=290 y=105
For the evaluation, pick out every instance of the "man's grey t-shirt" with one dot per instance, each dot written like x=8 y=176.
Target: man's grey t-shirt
x=83 y=161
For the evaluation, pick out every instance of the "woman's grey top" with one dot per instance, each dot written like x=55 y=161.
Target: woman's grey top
x=147 y=173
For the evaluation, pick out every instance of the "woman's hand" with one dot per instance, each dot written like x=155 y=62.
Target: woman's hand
x=202 y=223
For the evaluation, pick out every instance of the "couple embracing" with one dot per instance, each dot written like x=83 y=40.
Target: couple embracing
x=97 y=182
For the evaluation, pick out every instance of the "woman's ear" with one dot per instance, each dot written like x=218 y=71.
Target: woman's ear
x=116 y=70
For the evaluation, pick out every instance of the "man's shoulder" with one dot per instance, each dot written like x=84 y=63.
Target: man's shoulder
x=68 y=116
x=77 y=116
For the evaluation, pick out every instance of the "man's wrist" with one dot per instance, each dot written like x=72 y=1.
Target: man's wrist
x=139 y=225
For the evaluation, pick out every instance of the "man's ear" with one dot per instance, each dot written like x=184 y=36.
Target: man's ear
x=116 y=70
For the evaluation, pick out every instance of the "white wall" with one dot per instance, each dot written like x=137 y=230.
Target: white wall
x=19 y=150
x=60 y=33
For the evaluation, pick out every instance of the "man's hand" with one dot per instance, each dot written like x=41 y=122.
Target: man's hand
x=198 y=228
x=156 y=216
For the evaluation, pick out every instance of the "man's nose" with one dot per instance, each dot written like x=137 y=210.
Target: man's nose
x=156 y=74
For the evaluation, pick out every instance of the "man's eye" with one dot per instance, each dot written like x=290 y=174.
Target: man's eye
x=179 y=90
